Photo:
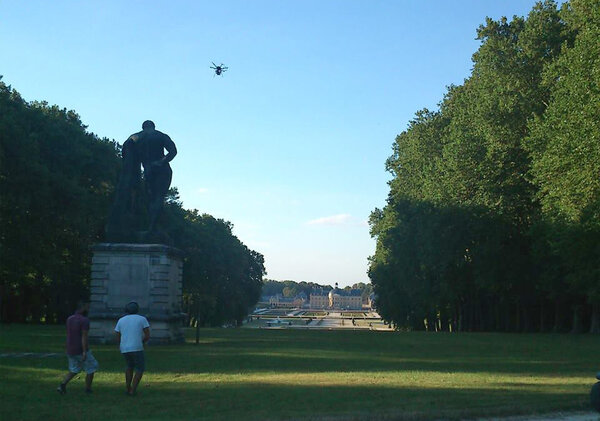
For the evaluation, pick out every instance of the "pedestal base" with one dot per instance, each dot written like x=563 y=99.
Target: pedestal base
x=151 y=275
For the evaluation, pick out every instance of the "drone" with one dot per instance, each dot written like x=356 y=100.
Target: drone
x=219 y=69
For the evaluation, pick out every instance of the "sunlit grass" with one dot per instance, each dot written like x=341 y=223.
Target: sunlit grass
x=284 y=374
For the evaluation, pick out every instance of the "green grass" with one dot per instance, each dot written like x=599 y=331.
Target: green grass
x=272 y=322
x=354 y=315
x=252 y=374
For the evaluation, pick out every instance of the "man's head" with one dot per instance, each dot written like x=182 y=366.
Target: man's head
x=132 y=308
x=148 y=125
x=83 y=306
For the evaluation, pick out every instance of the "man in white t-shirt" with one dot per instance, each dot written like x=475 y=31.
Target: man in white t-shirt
x=133 y=331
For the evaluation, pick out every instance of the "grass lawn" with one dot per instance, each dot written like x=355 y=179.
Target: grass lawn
x=355 y=315
x=252 y=374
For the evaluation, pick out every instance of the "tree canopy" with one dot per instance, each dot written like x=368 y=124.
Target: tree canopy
x=57 y=182
x=491 y=221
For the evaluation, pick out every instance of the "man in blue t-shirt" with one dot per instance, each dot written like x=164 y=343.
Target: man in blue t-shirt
x=133 y=331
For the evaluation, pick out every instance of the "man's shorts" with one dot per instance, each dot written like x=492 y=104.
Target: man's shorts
x=135 y=360
x=76 y=363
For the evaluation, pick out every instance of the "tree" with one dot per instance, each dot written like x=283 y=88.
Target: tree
x=566 y=159
x=56 y=187
x=458 y=240
x=222 y=278
x=56 y=180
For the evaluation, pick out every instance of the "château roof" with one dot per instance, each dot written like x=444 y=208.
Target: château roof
x=337 y=291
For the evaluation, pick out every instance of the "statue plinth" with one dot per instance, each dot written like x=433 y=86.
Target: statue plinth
x=151 y=275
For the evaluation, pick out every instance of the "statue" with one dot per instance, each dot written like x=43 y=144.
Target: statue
x=124 y=268
x=122 y=221
x=145 y=148
x=151 y=145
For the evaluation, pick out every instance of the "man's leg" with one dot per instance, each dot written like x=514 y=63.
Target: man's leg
x=158 y=189
x=90 y=365
x=129 y=362
x=156 y=204
x=62 y=387
x=154 y=212
x=68 y=378
x=89 y=378
x=128 y=378
x=139 y=365
x=74 y=369
x=136 y=380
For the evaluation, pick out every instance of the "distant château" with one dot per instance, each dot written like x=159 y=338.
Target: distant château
x=337 y=299
x=322 y=298
x=278 y=300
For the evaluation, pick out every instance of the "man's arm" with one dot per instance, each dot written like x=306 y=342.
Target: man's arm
x=84 y=343
x=171 y=149
x=146 y=334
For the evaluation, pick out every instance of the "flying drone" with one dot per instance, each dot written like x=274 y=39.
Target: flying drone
x=219 y=69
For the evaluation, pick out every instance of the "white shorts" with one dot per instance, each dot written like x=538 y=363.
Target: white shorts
x=76 y=364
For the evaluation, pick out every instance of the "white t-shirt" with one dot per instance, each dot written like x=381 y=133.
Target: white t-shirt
x=131 y=328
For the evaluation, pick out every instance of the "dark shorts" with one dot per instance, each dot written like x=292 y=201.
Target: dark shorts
x=135 y=360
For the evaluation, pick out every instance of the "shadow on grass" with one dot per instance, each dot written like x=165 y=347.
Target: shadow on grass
x=26 y=400
x=250 y=374
x=248 y=351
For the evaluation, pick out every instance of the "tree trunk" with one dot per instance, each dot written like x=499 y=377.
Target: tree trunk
x=526 y=319
x=595 y=322
x=454 y=322
x=556 y=328
x=497 y=325
x=2 y=306
x=480 y=317
x=576 y=328
x=470 y=317
x=506 y=314
x=197 y=324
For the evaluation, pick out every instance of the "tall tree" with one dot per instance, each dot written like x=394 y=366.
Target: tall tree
x=55 y=183
x=566 y=158
x=56 y=186
x=456 y=238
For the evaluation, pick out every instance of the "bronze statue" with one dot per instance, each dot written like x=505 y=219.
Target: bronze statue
x=146 y=148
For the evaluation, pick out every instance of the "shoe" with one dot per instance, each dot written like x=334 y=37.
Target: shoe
x=62 y=389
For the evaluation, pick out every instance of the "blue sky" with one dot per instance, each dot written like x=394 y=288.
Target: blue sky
x=290 y=143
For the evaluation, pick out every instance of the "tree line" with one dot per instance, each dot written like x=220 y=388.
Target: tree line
x=57 y=182
x=290 y=289
x=492 y=221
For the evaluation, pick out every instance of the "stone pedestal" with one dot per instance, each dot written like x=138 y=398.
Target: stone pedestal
x=151 y=275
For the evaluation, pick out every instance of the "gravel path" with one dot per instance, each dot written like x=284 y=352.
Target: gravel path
x=557 y=416
x=31 y=354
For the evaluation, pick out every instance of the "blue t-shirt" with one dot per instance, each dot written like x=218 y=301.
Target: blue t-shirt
x=131 y=328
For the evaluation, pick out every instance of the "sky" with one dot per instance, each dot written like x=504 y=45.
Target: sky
x=290 y=143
